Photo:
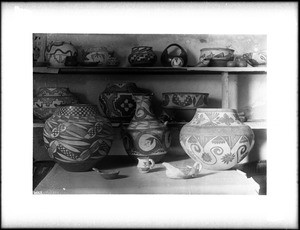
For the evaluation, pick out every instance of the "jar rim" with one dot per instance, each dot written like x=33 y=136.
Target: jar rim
x=216 y=110
x=196 y=93
x=217 y=48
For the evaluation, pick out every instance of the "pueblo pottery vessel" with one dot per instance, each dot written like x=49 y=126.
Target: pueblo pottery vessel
x=49 y=98
x=218 y=56
x=56 y=53
x=146 y=135
x=216 y=138
x=177 y=58
x=142 y=56
x=117 y=101
x=181 y=106
x=77 y=137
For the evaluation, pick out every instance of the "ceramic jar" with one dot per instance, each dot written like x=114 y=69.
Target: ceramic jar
x=216 y=138
x=142 y=56
x=49 y=98
x=56 y=53
x=77 y=137
x=117 y=101
x=176 y=58
x=181 y=106
x=145 y=134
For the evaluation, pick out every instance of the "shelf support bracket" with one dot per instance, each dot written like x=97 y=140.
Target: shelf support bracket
x=225 y=90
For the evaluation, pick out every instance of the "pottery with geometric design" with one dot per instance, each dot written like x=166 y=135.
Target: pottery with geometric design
x=181 y=106
x=216 y=138
x=145 y=134
x=48 y=99
x=142 y=56
x=78 y=137
x=117 y=101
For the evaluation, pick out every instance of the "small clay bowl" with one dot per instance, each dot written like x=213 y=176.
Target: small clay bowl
x=108 y=174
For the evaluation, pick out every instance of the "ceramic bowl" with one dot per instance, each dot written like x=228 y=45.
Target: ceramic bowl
x=108 y=174
x=216 y=53
x=181 y=106
x=94 y=56
x=218 y=56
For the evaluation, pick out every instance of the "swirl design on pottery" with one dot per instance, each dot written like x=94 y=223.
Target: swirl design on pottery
x=242 y=152
x=217 y=150
x=147 y=142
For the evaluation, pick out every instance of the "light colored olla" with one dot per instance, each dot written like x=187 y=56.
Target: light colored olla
x=216 y=138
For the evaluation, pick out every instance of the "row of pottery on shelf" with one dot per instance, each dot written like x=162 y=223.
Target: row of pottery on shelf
x=227 y=142
x=118 y=103
x=77 y=136
x=224 y=57
x=60 y=54
x=145 y=56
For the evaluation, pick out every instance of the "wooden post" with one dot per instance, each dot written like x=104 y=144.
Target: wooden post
x=225 y=90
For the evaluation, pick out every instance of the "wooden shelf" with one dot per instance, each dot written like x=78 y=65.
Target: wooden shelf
x=149 y=70
x=259 y=124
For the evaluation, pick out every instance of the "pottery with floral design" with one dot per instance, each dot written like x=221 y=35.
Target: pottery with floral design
x=216 y=138
x=48 y=99
x=181 y=106
x=57 y=51
x=142 y=56
x=146 y=135
x=78 y=137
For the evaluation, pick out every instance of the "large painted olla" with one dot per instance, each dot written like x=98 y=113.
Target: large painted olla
x=216 y=138
x=77 y=136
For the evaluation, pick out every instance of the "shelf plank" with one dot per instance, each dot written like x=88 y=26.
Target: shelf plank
x=259 y=124
x=149 y=70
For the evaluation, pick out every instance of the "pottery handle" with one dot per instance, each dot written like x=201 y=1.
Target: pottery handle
x=152 y=163
x=174 y=44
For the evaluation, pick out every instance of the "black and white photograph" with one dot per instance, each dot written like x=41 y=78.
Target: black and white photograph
x=149 y=115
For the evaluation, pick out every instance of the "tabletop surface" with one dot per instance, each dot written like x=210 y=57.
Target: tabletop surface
x=131 y=181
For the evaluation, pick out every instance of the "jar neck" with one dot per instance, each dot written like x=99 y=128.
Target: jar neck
x=144 y=108
x=216 y=117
